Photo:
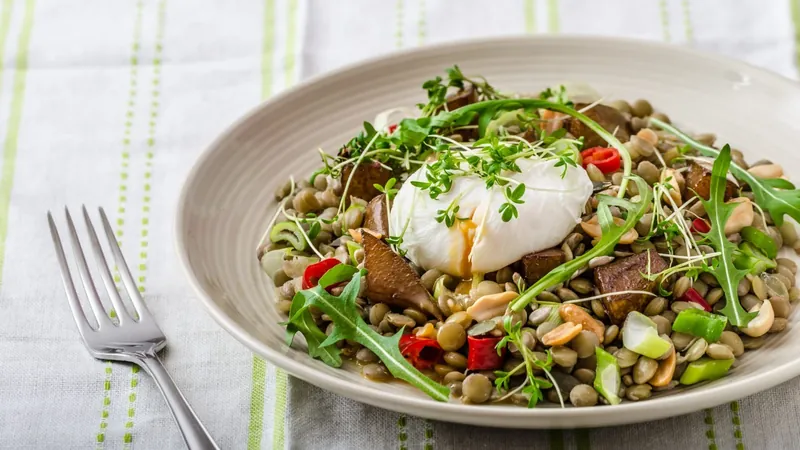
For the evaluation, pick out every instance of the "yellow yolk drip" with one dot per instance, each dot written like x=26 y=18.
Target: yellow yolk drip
x=467 y=229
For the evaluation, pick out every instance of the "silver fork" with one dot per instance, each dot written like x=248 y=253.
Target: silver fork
x=133 y=340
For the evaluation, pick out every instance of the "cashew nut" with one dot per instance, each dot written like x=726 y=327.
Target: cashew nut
x=742 y=216
x=666 y=368
x=576 y=314
x=675 y=181
x=762 y=322
x=491 y=305
x=562 y=334
x=592 y=228
x=767 y=171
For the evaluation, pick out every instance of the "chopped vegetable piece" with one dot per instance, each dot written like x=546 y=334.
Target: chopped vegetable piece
x=348 y=324
x=351 y=250
x=705 y=369
x=604 y=158
x=607 y=379
x=700 y=226
x=693 y=296
x=752 y=260
x=422 y=353
x=700 y=323
x=482 y=354
x=314 y=272
x=290 y=233
x=760 y=240
x=272 y=261
x=640 y=335
x=391 y=128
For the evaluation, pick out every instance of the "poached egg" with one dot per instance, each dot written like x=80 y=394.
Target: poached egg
x=479 y=241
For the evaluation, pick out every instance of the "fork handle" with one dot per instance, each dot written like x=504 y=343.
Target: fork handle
x=194 y=433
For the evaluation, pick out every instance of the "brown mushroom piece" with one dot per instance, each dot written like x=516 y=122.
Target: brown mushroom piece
x=391 y=280
x=376 y=217
x=364 y=179
x=607 y=117
x=626 y=274
x=463 y=97
x=536 y=265
x=698 y=182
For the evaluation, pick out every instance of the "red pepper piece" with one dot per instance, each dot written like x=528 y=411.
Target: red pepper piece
x=700 y=226
x=315 y=271
x=482 y=354
x=693 y=296
x=422 y=353
x=391 y=128
x=604 y=158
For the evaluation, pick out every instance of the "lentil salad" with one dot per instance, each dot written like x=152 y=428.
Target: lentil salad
x=646 y=259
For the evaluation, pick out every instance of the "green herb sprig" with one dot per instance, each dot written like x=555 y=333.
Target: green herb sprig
x=508 y=210
x=348 y=324
x=556 y=96
x=779 y=197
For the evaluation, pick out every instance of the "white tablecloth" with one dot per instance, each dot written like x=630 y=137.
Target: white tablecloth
x=109 y=103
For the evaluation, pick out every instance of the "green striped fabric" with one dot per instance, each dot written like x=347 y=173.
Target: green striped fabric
x=109 y=103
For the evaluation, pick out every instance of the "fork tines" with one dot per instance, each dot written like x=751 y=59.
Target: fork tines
x=100 y=313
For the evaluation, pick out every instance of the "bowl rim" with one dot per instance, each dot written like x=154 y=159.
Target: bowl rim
x=496 y=415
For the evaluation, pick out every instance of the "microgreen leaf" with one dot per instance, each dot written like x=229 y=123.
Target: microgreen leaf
x=774 y=196
x=723 y=268
x=444 y=120
x=348 y=324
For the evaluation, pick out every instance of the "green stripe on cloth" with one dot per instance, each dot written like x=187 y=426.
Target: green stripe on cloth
x=421 y=23
x=736 y=419
x=12 y=129
x=553 y=20
x=795 y=6
x=147 y=193
x=255 y=427
x=687 y=21
x=662 y=11
x=278 y=431
x=710 y=434
x=281 y=378
x=5 y=25
x=122 y=198
x=398 y=32
x=530 y=16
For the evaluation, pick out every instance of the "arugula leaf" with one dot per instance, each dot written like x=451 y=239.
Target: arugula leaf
x=414 y=131
x=612 y=233
x=301 y=320
x=348 y=324
x=778 y=197
x=723 y=268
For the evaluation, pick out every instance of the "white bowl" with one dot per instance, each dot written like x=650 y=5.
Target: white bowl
x=228 y=200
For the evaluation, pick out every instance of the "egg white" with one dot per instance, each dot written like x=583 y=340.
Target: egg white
x=482 y=242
